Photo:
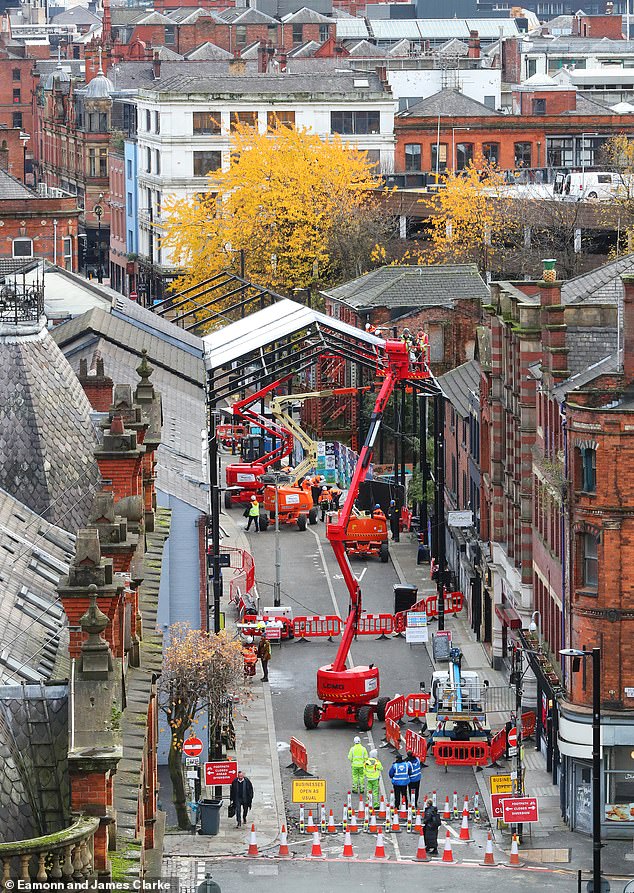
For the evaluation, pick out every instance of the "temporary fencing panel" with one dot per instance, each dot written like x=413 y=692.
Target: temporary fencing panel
x=453 y=603
x=395 y=708
x=243 y=576
x=416 y=744
x=375 y=624
x=416 y=705
x=461 y=753
x=498 y=745
x=306 y=627
x=299 y=754
x=392 y=733
x=400 y=622
x=529 y=721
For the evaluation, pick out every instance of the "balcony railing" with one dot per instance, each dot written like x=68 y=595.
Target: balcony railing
x=61 y=857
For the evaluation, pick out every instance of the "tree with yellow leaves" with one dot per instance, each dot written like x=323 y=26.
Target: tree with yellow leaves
x=618 y=155
x=199 y=670
x=302 y=211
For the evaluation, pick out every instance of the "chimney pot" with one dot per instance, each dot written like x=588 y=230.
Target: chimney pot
x=116 y=426
x=156 y=66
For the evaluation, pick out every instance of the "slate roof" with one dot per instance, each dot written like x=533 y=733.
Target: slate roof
x=365 y=49
x=305 y=50
x=46 y=437
x=305 y=16
x=589 y=345
x=189 y=15
x=453 y=47
x=449 y=103
x=76 y=15
x=207 y=51
x=457 y=384
x=331 y=83
x=10 y=188
x=247 y=16
x=413 y=286
x=151 y=18
x=587 y=106
x=600 y=286
x=165 y=54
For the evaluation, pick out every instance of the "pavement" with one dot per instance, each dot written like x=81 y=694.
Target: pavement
x=188 y=857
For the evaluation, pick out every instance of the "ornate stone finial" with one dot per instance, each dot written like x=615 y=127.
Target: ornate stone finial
x=95 y=661
x=116 y=426
x=144 y=370
x=93 y=621
x=59 y=57
x=99 y=55
x=102 y=511
x=87 y=550
x=549 y=274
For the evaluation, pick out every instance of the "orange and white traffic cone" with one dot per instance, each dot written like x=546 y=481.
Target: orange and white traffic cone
x=361 y=809
x=316 y=852
x=447 y=853
x=488 y=853
x=332 y=828
x=382 y=809
x=464 y=828
x=253 y=843
x=352 y=825
x=418 y=823
x=348 y=852
x=373 y=828
x=379 y=852
x=402 y=811
x=311 y=827
x=446 y=812
x=284 y=852
x=421 y=852
x=515 y=852
x=395 y=822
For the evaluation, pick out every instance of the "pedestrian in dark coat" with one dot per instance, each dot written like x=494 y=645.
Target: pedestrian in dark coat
x=241 y=795
x=431 y=824
x=394 y=517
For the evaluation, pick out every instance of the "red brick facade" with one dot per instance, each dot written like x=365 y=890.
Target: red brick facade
x=51 y=224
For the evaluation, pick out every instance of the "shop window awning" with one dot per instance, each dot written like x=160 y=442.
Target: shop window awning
x=509 y=616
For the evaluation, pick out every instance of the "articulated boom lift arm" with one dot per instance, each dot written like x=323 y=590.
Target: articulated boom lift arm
x=242 y=409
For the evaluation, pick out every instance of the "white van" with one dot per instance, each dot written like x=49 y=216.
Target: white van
x=580 y=185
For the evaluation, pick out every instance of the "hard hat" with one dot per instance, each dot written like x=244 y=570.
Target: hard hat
x=253 y=499
x=373 y=754
x=248 y=640
x=377 y=506
x=392 y=502
x=324 y=487
x=357 y=740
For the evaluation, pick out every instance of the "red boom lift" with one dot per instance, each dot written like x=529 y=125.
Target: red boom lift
x=352 y=694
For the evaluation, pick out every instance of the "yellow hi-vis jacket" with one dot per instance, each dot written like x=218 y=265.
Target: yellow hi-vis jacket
x=372 y=768
x=357 y=755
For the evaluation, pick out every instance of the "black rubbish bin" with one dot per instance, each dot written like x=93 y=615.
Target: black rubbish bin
x=209 y=816
x=404 y=596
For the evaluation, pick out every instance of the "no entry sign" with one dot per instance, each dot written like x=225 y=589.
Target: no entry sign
x=222 y=772
x=512 y=737
x=520 y=810
x=193 y=747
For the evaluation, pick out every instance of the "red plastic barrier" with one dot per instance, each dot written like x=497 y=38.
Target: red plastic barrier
x=416 y=744
x=400 y=622
x=417 y=705
x=375 y=624
x=461 y=753
x=498 y=745
x=328 y=625
x=392 y=733
x=243 y=576
x=529 y=721
x=406 y=518
x=299 y=754
x=395 y=708
x=453 y=604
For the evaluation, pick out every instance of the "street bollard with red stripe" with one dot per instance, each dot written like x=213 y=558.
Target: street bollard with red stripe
x=302 y=822
x=434 y=798
x=455 y=804
x=409 y=820
x=366 y=817
x=322 y=822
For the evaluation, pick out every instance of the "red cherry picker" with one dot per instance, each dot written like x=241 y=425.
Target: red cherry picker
x=352 y=694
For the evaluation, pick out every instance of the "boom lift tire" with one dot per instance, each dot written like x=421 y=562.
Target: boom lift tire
x=228 y=500
x=365 y=718
x=301 y=522
x=384 y=553
x=264 y=523
x=312 y=515
x=381 y=704
x=311 y=716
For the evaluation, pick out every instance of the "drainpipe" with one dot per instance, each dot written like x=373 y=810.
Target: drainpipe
x=562 y=535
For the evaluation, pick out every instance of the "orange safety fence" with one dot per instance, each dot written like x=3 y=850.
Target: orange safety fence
x=454 y=602
x=392 y=733
x=529 y=721
x=498 y=745
x=417 y=705
x=395 y=708
x=299 y=754
x=324 y=625
x=416 y=744
x=461 y=753
x=375 y=624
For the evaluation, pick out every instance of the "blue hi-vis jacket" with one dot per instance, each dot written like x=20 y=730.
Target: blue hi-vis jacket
x=399 y=773
x=415 y=771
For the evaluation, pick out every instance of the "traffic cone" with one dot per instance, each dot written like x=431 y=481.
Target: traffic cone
x=332 y=828
x=421 y=852
x=447 y=853
x=447 y=812
x=348 y=852
x=382 y=809
x=379 y=852
x=396 y=828
x=372 y=827
x=465 y=805
x=361 y=809
x=353 y=827
x=488 y=853
x=402 y=811
x=464 y=828
x=283 y=842
x=316 y=852
x=515 y=852
x=311 y=827
x=253 y=843
x=418 y=823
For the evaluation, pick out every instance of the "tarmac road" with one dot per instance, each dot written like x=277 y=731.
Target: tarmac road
x=311 y=580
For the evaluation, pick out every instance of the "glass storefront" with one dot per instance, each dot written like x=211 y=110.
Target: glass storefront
x=619 y=784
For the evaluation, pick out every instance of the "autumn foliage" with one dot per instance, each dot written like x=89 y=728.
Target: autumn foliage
x=300 y=209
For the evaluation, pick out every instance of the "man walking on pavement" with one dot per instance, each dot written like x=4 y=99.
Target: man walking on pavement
x=357 y=755
x=399 y=773
x=264 y=653
x=394 y=517
x=241 y=795
x=372 y=769
x=254 y=514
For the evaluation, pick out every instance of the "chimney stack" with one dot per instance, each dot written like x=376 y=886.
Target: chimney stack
x=263 y=57
x=474 y=45
x=555 y=363
x=628 y=329
x=156 y=66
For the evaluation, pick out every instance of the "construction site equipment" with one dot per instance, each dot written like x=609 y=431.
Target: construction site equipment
x=231 y=436
x=351 y=694
x=366 y=537
x=457 y=714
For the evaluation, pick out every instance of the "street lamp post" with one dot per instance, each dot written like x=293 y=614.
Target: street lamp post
x=536 y=626
x=454 y=160
x=24 y=138
x=98 y=209
x=276 y=478
x=577 y=656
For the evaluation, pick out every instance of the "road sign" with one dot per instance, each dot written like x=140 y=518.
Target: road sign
x=496 y=805
x=222 y=772
x=511 y=737
x=133 y=296
x=193 y=747
x=501 y=784
x=416 y=629
x=309 y=790
x=519 y=810
x=192 y=761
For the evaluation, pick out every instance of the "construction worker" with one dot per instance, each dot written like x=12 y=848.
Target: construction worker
x=324 y=501
x=306 y=485
x=357 y=755
x=254 y=514
x=315 y=486
x=394 y=515
x=335 y=494
x=415 y=775
x=399 y=773
x=378 y=513
x=372 y=769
